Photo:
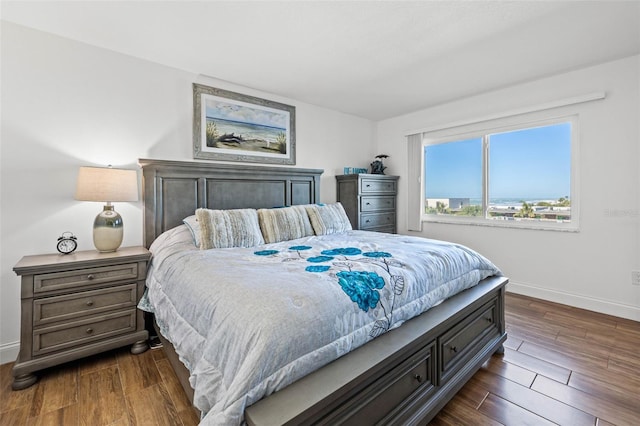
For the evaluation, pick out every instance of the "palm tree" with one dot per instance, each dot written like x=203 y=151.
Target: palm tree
x=564 y=201
x=526 y=211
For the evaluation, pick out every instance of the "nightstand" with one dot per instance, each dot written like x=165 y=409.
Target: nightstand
x=78 y=305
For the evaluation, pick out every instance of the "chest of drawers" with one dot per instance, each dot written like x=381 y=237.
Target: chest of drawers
x=369 y=201
x=78 y=305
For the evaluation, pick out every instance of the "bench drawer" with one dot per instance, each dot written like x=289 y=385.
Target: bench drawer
x=412 y=378
x=465 y=337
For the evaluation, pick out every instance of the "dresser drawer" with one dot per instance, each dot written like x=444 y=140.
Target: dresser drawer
x=76 y=333
x=371 y=204
x=80 y=277
x=385 y=229
x=377 y=186
x=377 y=220
x=69 y=306
x=461 y=341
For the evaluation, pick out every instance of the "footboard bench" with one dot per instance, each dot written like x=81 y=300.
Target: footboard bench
x=403 y=377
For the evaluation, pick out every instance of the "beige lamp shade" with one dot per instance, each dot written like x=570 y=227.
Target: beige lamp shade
x=107 y=185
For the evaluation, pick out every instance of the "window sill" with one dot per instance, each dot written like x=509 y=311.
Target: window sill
x=510 y=224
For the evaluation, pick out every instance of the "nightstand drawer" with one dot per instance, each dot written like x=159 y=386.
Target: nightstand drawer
x=377 y=186
x=376 y=220
x=80 y=277
x=59 y=308
x=76 y=333
x=377 y=203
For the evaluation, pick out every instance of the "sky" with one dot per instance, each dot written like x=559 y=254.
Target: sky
x=533 y=163
x=243 y=112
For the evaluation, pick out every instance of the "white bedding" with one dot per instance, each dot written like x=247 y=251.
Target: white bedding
x=249 y=321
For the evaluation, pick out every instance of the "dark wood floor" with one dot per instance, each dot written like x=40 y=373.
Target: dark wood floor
x=561 y=365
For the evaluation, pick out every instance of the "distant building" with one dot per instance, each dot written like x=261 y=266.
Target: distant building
x=458 y=203
x=452 y=203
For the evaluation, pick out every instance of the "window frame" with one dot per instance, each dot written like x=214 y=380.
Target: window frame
x=464 y=133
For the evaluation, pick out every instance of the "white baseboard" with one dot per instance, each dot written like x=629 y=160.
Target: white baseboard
x=593 y=304
x=9 y=352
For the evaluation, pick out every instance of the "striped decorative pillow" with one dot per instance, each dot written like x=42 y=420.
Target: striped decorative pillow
x=284 y=224
x=328 y=218
x=228 y=228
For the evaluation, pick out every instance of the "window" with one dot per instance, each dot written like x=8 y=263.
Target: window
x=519 y=176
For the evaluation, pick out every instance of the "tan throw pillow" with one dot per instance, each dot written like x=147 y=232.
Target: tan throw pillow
x=228 y=228
x=284 y=224
x=328 y=218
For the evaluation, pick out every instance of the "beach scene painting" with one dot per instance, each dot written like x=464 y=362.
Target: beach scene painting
x=238 y=127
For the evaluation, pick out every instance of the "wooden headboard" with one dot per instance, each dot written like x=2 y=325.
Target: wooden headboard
x=173 y=190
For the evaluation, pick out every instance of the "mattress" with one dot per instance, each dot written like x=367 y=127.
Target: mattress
x=247 y=322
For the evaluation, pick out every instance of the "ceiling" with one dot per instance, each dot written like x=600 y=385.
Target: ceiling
x=373 y=59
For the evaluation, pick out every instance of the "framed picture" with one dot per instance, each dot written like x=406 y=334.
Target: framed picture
x=231 y=126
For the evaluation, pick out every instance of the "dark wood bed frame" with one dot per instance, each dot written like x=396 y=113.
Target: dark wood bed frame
x=402 y=377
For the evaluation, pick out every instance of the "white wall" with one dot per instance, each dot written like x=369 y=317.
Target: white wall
x=591 y=268
x=67 y=104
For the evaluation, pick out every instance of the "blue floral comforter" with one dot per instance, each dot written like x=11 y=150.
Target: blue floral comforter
x=249 y=321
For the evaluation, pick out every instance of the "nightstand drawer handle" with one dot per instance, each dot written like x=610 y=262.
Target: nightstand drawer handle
x=454 y=349
x=368 y=186
x=89 y=302
x=89 y=330
x=90 y=277
x=368 y=204
x=418 y=378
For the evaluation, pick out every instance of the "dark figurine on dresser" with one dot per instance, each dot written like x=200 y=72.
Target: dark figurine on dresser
x=377 y=167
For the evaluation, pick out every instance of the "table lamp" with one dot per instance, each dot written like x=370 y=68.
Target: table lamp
x=107 y=185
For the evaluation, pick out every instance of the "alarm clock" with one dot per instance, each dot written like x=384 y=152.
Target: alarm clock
x=67 y=243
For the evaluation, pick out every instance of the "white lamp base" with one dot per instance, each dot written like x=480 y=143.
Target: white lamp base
x=108 y=230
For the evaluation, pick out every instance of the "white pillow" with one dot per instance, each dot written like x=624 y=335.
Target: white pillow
x=328 y=218
x=284 y=224
x=194 y=227
x=228 y=228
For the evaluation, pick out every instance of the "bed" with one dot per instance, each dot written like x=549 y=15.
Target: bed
x=351 y=345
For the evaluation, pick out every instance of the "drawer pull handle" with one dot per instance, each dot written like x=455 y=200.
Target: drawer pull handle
x=488 y=319
x=453 y=349
x=90 y=277
x=89 y=302
x=89 y=330
x=418 y=378
x=368 y=186
x=368 y=204
x=367 y=221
